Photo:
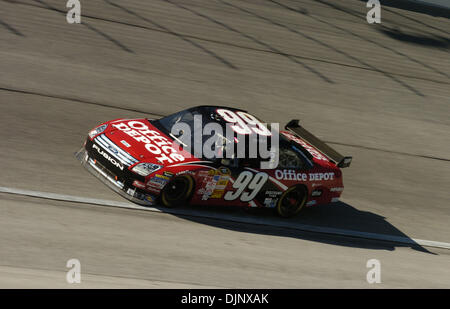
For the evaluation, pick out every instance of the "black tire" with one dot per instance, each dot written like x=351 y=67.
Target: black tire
x=178 y=191
x=292 y=201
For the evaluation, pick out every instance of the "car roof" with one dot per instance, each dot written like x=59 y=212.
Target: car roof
x=217 y=106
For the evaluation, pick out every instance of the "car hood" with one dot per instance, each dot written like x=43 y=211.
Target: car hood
x=143 y=141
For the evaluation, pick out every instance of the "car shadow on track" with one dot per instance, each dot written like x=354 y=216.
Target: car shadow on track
x=417 y=7
x=415 y=38
x=326 y=218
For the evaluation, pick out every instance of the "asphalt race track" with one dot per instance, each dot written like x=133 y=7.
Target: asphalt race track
x=380 y=93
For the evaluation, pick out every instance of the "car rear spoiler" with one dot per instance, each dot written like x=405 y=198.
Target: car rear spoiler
x=330 y=153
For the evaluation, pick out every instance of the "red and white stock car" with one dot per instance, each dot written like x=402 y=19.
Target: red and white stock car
x=144 y=161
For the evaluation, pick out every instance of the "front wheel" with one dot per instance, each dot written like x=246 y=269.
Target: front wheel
x=178 y=191
x=291 y=201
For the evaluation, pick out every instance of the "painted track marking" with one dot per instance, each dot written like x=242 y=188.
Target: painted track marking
x=228 y=217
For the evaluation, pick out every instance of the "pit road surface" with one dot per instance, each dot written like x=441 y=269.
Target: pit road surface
x=380 y=93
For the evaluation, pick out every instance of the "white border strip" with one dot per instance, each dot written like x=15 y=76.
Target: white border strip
x=227 y=217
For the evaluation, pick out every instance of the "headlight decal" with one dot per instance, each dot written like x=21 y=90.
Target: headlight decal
x=145 y=169
x=97 y=130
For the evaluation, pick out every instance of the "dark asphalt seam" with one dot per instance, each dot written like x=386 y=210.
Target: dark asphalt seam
x=11 y=28
x=242 y=46
x=374 y=42
x=332 y=48
x=89 y=26
x=255 y=40
x=390 y=151
x=178 y=35
x=409 y=241
x=77 y=100
x=106 y=275
x=161 y=115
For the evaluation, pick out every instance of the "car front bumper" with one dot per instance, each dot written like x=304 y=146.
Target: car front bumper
x=106 y=176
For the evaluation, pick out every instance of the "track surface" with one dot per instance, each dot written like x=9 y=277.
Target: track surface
x=378 y=92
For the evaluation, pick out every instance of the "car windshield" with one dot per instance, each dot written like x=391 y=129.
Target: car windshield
x=204 y=114
x=211 y=124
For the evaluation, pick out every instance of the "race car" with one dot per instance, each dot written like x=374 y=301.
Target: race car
x=214 y=155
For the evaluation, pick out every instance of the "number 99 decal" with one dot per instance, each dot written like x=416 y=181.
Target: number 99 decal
x=244 y=123
x=246 y=180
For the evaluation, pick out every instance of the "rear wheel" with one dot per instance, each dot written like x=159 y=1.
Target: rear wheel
x=291 y=201
x=178 y=191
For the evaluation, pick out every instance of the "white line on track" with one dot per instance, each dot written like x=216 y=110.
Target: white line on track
x=228 y=217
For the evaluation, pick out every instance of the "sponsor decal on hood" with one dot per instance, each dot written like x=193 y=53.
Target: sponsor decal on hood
x=140 y=133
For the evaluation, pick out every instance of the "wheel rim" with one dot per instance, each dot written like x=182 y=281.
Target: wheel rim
x=292 y=202
x=176 y=189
